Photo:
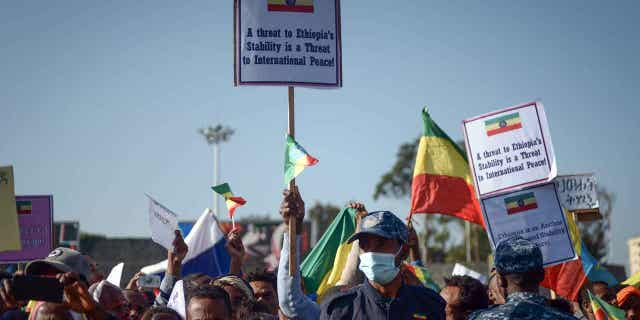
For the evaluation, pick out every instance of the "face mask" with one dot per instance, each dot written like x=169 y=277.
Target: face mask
x=379 y=267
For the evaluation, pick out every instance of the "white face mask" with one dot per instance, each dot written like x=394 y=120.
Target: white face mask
x=379 y=267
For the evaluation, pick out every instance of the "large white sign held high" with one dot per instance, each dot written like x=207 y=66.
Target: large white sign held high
x=510 y=149
x=288 y=42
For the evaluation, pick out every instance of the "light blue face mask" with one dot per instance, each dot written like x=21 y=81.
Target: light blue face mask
x=379 y=267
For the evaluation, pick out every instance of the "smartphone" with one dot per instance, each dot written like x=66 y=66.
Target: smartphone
x=37 y=288
x=149 y=281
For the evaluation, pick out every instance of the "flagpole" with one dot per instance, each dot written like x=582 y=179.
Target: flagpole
x=293 y=268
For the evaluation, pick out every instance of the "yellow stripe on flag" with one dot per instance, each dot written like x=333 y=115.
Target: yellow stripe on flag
x=512 y=205
x=496 y=125
x=332 y=277
x=433 y=158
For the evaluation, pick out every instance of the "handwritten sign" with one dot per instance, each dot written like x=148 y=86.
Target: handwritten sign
x=577 y=192
x=163 y=223
x=534 y=214
x=510 y=149
x=288 y=42
x=35 y=218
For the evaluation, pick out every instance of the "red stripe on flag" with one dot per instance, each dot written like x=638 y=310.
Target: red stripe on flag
x=601 y=315
x=523 y=208
x=311 y=160
x=238 y=200
x=504 y=129
x=445 y=194
x=288 y=8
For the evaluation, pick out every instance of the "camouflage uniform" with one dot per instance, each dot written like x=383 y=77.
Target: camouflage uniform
x=517 y=255
x=521 y=305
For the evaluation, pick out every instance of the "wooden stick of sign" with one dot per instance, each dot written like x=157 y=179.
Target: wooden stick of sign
x=293 y=266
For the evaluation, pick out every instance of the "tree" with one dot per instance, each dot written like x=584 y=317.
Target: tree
x=436 y=233
x=321 y=216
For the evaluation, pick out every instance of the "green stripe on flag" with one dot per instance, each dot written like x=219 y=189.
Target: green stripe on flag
x=519 y=197
x=320 y=260
x=222 y=188
x=431 y=129
x=503 y=118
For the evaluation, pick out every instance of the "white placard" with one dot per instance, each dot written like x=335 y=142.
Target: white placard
x=163 y=223
x=534 y=214
x=287 y=42
x=577 y=192
x=177 y=300
x=115 y=276
x=510 y=149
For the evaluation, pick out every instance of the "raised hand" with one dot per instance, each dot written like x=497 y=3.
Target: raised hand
x=292 y=205
x=236 y=251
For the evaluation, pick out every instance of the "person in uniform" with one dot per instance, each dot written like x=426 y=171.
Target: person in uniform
x=519 y=272
x=383 y=294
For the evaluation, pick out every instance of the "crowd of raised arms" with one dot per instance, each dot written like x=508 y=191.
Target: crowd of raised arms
x=375 y=284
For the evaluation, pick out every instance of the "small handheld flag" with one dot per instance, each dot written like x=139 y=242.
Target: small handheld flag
x=296 y=159
x=603 y=310
x=232 y=201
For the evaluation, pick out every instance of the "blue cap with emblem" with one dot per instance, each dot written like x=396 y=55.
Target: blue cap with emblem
x=517 y=255
x=384 y=224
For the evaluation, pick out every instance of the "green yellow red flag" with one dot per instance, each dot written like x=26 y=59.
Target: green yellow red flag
x=442 y=180
x=296 y=159
x=603 y=310
x=232 y=201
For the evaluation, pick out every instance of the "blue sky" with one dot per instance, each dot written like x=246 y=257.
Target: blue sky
x=101 y=100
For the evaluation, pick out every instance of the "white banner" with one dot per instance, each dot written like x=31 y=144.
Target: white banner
x=287 y=42
x=510 y=149
x=534 y=214
x=163 y=223
x=577 y=192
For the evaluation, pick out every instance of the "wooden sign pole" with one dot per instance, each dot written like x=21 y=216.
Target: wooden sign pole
x=293 y=266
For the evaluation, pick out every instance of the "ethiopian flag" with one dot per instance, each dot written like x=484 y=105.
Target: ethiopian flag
x=442 y=180
x=296 y=158
x=503 y=124
x=323 y=266
x=567 y=278
x=232 y=201
x=522 y=202
x=291 y=5
x=603 y=310
x=24 y=207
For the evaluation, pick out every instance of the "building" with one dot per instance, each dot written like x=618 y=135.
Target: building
x=634 y=254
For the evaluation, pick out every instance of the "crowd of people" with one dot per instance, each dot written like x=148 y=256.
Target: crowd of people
x=375 y=284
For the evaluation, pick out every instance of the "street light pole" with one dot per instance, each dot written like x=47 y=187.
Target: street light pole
x=215 y=136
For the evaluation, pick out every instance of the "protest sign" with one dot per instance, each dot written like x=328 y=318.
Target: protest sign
x=35 y=218
x=577 y=192
x=163 y=223
x=9 y=229
x=510 y=149
x=284 y=42
x=534 y=214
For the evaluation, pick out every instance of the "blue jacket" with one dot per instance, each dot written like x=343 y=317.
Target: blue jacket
x=365 y=302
